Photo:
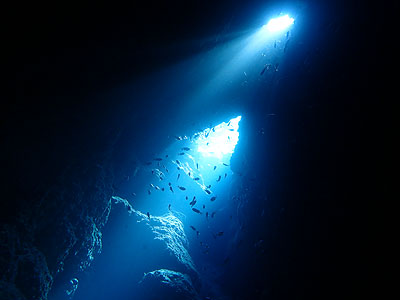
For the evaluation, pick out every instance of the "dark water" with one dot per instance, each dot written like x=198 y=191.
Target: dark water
x=122 y=120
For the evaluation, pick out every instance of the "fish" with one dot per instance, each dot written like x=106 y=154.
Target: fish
x=286 y=46
x=215 y=167
x=148 y=215
x=275 y=44
x=178 y=138
x=148 y=191
x=287 y=34
x=193 y=202
x=276 y=67
x=266 y=68
x=185 y=148
x=166 y=155
x=219 y=178
x=209 y=186
x=213 y=214
x=196 y=178
x=204 y=206
x=213 y=129
x=207 y=215
x=178 y=162
x=163 y=189
x=189 y=174
x=169 y=183
x=179 y=175
x=171 y=189
x=208 y=191
x=157 y=187
x=179 y=168
x=225 y=175
x=186 y=197
x=197 y=166
x=152 y=185
x=134 y=194
x=182 y=153
x=158 y=159
x=196 y=210
x=225 y=164
x=181 y=188
x=194 y=228
x=213 y=198
x=169 y=206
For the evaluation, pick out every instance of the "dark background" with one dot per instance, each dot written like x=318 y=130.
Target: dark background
x=61 y=57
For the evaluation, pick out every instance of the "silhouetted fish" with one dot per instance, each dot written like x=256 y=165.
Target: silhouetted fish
x=171 y=189
x=213 y=198
x=208 y=191
x=225 y=164
x=181 y=188
x=225 y=175
x=194 y=228
x=204 y=206
x=178 y=162
x=196 y=210
x=196 y=178
x=219 y=178
x=186 y=148
x=186 y=197
x=179 y=175
x=148 y=191
x=215 y=167
x=148 y=215
x=182 y=153
x=197 y=166
x=213 y=214
x=178 y=138
x=193 y=202
x=169 y=206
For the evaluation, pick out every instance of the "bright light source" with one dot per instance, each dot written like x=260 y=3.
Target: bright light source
x=219 y=140
x=279 y=23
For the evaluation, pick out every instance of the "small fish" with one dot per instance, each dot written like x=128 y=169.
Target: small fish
x=148 y=191
x=208 y=191
x=182 y=153
x=213 y=214
x=134 y=194
x=166 y=156
x=169 y=206
x=162 y=189
x=193 y=202
x=209 y=186
x=196 y=178
x=178 y=162
x=266 y=68
x=148 y=215
x=196 y=210
x=213 y=129
x=215 y=167
x=204 y=206
x=157 y=187
x=207 y=215
x=197 y=166
x=158 y=159
x=276 y=67
x=186 y=148
x=169 y=183
x=225 y=164
x=219 y=178
x=275 y=44
x=286 y=46
x=171 y=189
x=179 y=168
x=181 y=188
x=152 y=185
x=287 y=34
x=178 y=138
x=189 y=174
x=179 y=175
x=225 y=175
x=194 y=228
x=213 y=198
x=186 y=197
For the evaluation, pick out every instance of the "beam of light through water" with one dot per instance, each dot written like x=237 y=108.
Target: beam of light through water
x=280 y=23
x=219 y=140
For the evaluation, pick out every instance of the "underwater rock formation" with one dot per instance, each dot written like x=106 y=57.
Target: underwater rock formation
x=176 y=285
x=167 y=228
x=56 y=234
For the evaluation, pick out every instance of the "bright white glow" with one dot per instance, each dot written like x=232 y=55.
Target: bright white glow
x=280 y=23
x=219 y=140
